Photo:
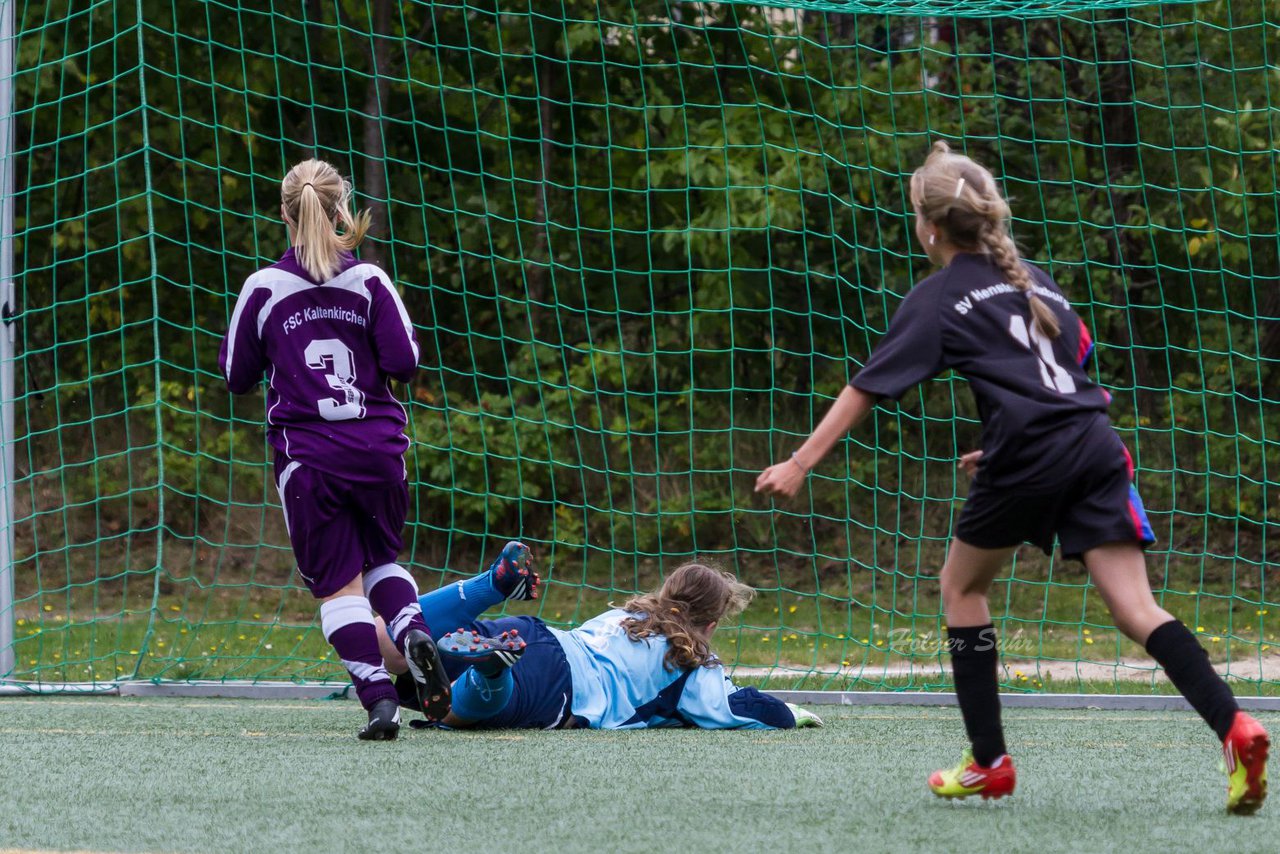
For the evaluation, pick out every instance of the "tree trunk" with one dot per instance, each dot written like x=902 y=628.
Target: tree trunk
x=375 y=99
x=538 y=273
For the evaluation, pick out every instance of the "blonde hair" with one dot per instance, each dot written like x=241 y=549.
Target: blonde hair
x=962 y=199
x=690 y=598
x=317 y=201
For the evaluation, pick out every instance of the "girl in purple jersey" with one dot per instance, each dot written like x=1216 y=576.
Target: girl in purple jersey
x=1050 y=466
x=330 y=333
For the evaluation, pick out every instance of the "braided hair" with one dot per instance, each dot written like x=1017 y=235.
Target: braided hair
x=962 y=199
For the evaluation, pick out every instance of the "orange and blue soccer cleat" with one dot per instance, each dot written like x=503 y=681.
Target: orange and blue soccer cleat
x=488 y=655
x=1245 y=749
x=513 y=573
x=970 y=778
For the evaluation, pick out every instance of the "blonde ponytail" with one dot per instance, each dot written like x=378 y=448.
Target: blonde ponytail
x=997 y=243
x=318 y=202
x=962 y=199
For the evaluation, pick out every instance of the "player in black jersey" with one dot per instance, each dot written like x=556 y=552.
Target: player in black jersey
x=1050 y=466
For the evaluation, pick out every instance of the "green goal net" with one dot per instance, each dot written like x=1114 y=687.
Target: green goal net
x=643 y=244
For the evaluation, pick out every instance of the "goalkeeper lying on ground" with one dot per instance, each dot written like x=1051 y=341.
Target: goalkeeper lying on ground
x=646 y=664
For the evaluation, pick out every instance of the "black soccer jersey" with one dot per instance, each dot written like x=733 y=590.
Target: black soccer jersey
x=1034 y=397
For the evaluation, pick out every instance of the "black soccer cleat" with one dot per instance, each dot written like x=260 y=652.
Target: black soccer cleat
x=488 y=655
x=513 y=573
x=384 y=722
x=428 y=674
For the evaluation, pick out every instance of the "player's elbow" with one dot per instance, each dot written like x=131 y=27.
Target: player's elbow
x=241 y=385
x=404 y=376
x=401 y=369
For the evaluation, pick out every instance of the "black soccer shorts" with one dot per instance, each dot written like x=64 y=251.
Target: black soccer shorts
x=1096 y=505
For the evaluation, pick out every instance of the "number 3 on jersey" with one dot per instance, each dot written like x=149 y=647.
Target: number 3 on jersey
x=331 y=355
x=1051 y=373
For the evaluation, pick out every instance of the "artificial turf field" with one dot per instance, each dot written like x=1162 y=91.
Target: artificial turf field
x=125 y=774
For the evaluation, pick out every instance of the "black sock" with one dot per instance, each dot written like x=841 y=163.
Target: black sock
x=973 y=664
x=407 y=691
x=1187 y=664
x=491 y=668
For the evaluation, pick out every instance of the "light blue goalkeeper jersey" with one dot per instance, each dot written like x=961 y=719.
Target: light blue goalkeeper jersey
x=619 y=683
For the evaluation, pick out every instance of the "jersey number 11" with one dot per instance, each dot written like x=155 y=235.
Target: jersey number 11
x=1053 y=375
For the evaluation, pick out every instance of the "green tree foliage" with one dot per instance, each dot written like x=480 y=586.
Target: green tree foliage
x=642 y=244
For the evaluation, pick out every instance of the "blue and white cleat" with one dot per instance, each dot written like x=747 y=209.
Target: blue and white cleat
x=488 y=655
x=513 y=573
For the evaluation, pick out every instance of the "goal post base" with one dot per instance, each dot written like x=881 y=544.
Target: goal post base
x=334 y=691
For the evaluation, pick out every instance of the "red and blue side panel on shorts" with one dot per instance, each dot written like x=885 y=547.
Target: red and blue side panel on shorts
x=1137 y=513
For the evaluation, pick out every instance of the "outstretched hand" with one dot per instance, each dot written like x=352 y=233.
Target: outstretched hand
x=969 y=462
x=784 y=478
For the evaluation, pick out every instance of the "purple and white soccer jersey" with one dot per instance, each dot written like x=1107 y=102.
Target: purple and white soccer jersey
x=329 y=350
